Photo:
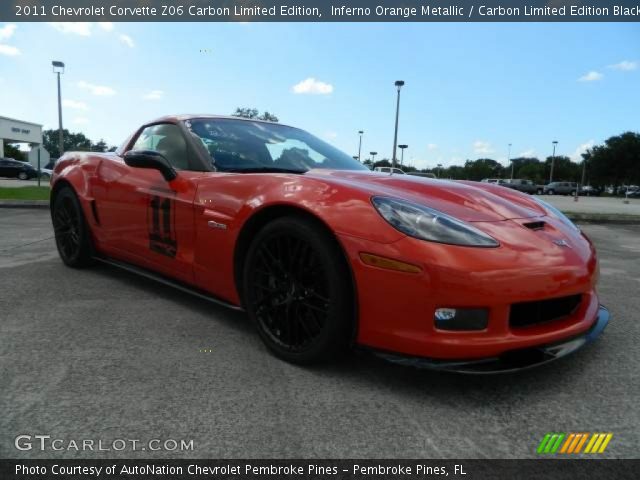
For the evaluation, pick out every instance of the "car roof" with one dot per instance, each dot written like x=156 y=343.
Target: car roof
x=193 y=116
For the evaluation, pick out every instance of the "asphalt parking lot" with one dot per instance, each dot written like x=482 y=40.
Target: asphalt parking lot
x=101 y=354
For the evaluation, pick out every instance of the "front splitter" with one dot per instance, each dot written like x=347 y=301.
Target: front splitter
x=510 y=361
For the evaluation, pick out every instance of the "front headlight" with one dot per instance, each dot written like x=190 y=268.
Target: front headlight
x=428 y=224
x=557 y=213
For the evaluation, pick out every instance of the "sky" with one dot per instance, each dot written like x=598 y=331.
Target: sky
x=471 y=89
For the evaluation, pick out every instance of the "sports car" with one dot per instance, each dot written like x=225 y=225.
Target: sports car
x=325 y=255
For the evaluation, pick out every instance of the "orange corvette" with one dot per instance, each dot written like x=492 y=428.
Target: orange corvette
x=324 y=254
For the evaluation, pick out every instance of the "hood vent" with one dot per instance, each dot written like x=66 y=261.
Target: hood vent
x=534 y=225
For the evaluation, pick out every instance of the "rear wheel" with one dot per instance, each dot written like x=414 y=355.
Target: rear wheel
x=551 y=192
x=73 y=238
x=539 y=191
x=298 y=292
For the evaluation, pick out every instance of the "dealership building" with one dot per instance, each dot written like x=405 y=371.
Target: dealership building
x=19 y=131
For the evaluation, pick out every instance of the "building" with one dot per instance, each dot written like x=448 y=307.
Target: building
x=12 y=130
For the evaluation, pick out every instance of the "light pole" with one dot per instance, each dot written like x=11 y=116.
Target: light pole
x=553 y=160
x=440 y=169
x=509 y=161
x=373 y=156
x=402 y=147
x=58 y=68
x=398 y=84
x=360 y=132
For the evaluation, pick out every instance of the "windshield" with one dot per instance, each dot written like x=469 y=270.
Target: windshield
x=246 y=146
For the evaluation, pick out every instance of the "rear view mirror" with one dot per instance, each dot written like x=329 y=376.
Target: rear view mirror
x=150 y=159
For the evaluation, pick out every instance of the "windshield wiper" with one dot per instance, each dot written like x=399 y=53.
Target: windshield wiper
x=263 y=170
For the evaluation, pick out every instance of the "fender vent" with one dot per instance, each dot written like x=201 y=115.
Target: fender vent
x=534 y=225
x=94 y=211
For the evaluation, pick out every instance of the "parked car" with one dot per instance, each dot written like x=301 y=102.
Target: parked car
x=590 y=191
x=10 y=167
x=631 y=191
x=322 y=254
x=422 y=174
x=497 y=181
x=560 y=188
x=388 y=170
x=47 y=170
x=526 y=186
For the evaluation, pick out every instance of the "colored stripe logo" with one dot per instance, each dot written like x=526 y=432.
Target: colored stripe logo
x=572 y=443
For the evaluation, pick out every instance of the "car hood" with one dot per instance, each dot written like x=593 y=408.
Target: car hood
x=468 y=201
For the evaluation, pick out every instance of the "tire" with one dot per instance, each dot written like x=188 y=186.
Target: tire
x=23 y=176
x=573 y=193
x=297 y=290
x=551 y=192
x=71 y=231
x=539 y=192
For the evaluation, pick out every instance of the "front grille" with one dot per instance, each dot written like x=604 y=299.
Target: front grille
x=526 y=314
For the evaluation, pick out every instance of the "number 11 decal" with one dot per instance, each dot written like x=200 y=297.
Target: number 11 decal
x=162 y=232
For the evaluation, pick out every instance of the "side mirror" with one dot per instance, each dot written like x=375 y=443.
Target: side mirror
x=150 y=159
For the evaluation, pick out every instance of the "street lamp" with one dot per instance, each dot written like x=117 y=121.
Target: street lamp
x=440 y=168
x=553 y=160
x=398 y=84
x=402 y=147
x=58 y=68
x=373 y=156
x=360 y=132
x=509 y=160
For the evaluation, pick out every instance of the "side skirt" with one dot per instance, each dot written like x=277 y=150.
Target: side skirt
x=143 y=272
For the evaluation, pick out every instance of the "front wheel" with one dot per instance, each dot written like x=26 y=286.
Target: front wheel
x=539 y=191
x=297 y=290
x=71 y=231
x=23 y=175
x=551 y=192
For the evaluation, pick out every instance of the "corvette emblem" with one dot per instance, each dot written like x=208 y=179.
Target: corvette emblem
x=562 y=243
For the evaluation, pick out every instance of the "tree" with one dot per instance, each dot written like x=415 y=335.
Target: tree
x=530 y=168
x=254 y=113
x=101 y=146
x=382 y=163
x=11 y=151
x=482 y=168
x=268 y=117
x=563 y=169
x=616 y=162
x=72 y=142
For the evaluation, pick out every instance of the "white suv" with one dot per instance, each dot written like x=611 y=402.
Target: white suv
x=388 y=170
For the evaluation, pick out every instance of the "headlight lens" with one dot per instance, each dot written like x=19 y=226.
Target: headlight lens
x=557 y=213
x=428 y=224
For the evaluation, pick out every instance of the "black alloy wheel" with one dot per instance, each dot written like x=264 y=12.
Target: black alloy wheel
x=297 y=290
x=71 y=232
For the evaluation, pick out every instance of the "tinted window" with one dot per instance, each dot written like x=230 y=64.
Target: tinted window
x=166 y=139
x=239 y=145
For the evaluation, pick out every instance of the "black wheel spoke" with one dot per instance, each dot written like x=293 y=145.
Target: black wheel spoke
x=290 y=291
x=66 y=226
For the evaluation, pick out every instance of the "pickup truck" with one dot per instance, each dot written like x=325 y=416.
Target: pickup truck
x=526 y=186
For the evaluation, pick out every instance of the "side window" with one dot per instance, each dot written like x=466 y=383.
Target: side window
x=166 y=139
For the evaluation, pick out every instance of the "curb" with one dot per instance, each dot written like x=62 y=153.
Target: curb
x=24 y=204
x=603 y=218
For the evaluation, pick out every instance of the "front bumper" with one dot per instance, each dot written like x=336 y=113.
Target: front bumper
x=512 y=360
